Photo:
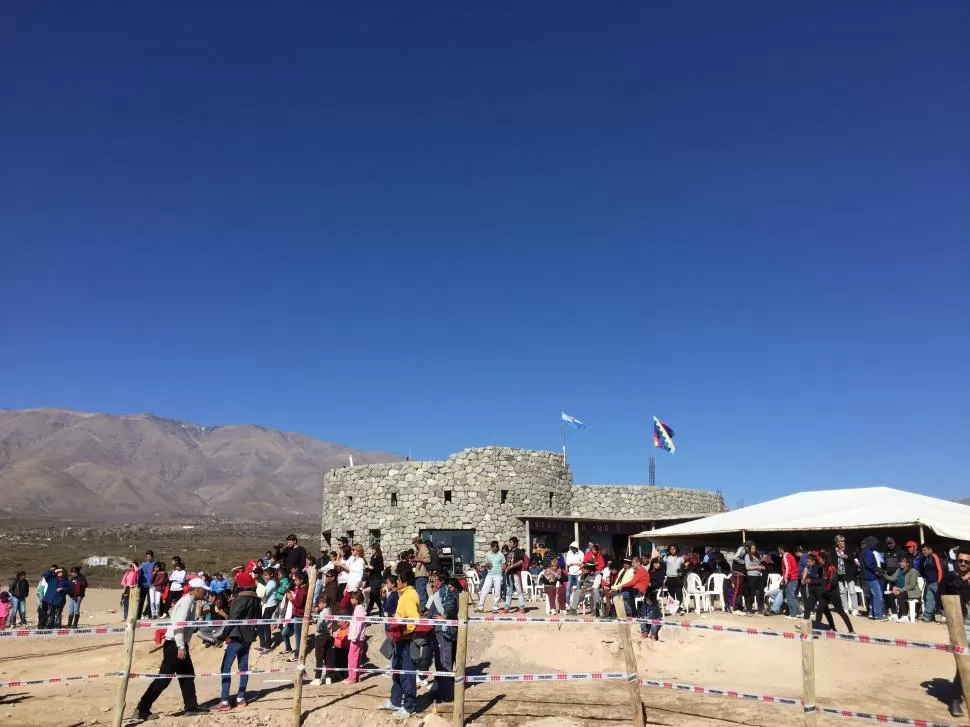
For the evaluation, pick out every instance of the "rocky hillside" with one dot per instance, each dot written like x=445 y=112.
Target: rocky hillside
x=56 y=463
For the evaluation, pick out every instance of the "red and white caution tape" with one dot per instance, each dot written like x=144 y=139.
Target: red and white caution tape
x=49 y=633
x=551 y=677
x=883 y=718
x=136 y=675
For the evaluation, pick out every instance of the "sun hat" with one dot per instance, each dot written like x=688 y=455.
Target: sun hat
x=198 y=583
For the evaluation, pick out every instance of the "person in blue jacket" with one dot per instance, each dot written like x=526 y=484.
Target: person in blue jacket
x=871 y=581
x=52 y=604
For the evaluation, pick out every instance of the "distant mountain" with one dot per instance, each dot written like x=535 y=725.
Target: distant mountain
x=56 y=463
x=964 y=501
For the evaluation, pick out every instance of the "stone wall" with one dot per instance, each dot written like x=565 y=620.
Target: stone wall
x=402 y=498
x=641 y=502
x=360 y=498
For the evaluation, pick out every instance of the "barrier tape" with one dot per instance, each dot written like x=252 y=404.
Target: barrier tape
x=685 y=625
x=791 y=701
x=137 y=675
x=551 y=677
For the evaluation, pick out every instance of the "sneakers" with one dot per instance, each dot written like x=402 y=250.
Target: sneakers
x=194 y=710
x=401 y=713
x=521 y=610
x=504 y=611
x=145 y=716
x=241 y=702
x=222 y=707
x=316 y=683
x=388 y=706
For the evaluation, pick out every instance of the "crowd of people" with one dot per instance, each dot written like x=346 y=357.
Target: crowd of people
x=351 y=582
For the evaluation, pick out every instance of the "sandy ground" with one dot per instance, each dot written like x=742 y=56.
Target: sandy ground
x=902 y=682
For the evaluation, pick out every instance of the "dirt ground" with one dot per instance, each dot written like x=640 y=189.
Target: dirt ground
x=902 y=682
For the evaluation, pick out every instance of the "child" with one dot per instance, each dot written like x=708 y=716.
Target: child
x=357 y=638
x=128 y=581
x=323 y=641
x=651 y=610
x=4 y=608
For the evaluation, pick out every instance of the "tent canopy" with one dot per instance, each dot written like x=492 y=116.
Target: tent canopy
x=860 y=508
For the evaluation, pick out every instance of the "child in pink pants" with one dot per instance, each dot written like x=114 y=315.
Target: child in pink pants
x=357 y=638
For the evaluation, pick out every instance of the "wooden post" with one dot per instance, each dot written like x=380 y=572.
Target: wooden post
x=958 y=637
x=129 y=649
x=808 y=674
x=301 y=645
x=633 y=673
x=461 y=655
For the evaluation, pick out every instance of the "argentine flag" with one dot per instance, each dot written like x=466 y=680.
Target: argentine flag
x=572 y=421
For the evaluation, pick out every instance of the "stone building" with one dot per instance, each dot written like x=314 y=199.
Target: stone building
x=492 y=493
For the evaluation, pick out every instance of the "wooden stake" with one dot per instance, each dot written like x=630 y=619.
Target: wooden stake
x=461 y=655
x=129 y=650
x=301 y=645
x=958 y=637
x=630 y=658
x=808 y=674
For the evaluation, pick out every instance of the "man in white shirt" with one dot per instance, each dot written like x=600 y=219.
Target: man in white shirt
x=574 y=565
x=175 y=654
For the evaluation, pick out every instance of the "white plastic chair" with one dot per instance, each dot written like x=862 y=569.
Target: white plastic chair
x=715 y=589
x=694 y=591
x=531 y=587
x=912 y=602
x=774 y=582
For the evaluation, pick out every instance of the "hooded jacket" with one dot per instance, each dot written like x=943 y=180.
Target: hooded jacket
x=245 y=605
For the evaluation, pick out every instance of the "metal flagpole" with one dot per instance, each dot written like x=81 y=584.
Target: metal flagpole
x=562 y=424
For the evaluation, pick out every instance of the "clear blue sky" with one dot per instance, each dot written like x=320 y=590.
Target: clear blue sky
x=430 y=227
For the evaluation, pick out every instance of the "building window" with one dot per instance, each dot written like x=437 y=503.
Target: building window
x=374 y=536
x=550 y=499
x=447 y=495
x=393 y=499
x=505 y=497
x=326 y=537
x=350 y=535
x=350 y=501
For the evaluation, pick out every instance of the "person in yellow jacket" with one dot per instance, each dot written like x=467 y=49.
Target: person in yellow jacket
x=404 y=688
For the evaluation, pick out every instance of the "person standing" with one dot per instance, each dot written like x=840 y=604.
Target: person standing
x=444 y=605
x=574 y=567
x=789 y=580
x=145 y=571
x=269 y=603
x=176 y=658
x=674 y=564
x=293 y=555
x=958 y=584
x=422 y=558
x=847 y=571
x=239 y=639
x=754 y=592
x=404 y=688
x=176 y=582
x=737 y=580
x=356 y=638
x=871 y=583
x=19 y=590
x=297 y=597
x=514 y=560
x=55 y=596
x=79 y=587
x=157 y=588
x=932 y=572
x=492 y=583
x=375 y=574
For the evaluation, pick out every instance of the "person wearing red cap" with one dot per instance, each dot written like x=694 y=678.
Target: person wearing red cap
x=245 y=605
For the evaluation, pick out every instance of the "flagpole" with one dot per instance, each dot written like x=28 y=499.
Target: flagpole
x=562 y=424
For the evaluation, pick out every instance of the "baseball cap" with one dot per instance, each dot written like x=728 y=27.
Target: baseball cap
x=911 y=544
x=198 y=583
x=839 y=538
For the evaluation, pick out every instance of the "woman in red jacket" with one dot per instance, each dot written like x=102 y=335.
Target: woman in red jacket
x=297 y=596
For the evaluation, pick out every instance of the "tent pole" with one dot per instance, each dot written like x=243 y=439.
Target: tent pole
x=922 y=538
x=744 y=537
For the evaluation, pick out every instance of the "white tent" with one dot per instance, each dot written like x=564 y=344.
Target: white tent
x=862 y=508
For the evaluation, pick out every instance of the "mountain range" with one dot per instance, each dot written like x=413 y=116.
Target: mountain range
x=61 y=464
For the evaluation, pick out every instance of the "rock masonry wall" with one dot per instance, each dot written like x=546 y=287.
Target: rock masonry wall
x=402 y=498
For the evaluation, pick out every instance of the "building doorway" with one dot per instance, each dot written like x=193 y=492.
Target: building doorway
x=456 y=548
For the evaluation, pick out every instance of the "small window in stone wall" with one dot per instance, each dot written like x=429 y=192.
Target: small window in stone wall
x=350 y=501
x=447 y=495
x=350 y=535
x=505 y=497
x=393 y=499
x=550 y=499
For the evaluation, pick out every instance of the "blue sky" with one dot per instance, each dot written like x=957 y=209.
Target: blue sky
x=431 y=227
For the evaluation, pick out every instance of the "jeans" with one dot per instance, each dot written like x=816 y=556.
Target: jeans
x=235 y=650
x=265 y=635
x=155 y=599
x=594 y=599
x=421 y=586
x=444 y=660
x=930 y=594
x=874 y=589
x=404 y=687
x=18 y=605
x=74 y=606
x=571 y=585
x=291 y=629
x=791 y=591
x=848 y=595
x=775 y=599
x=514 y=581
x=493 y=584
